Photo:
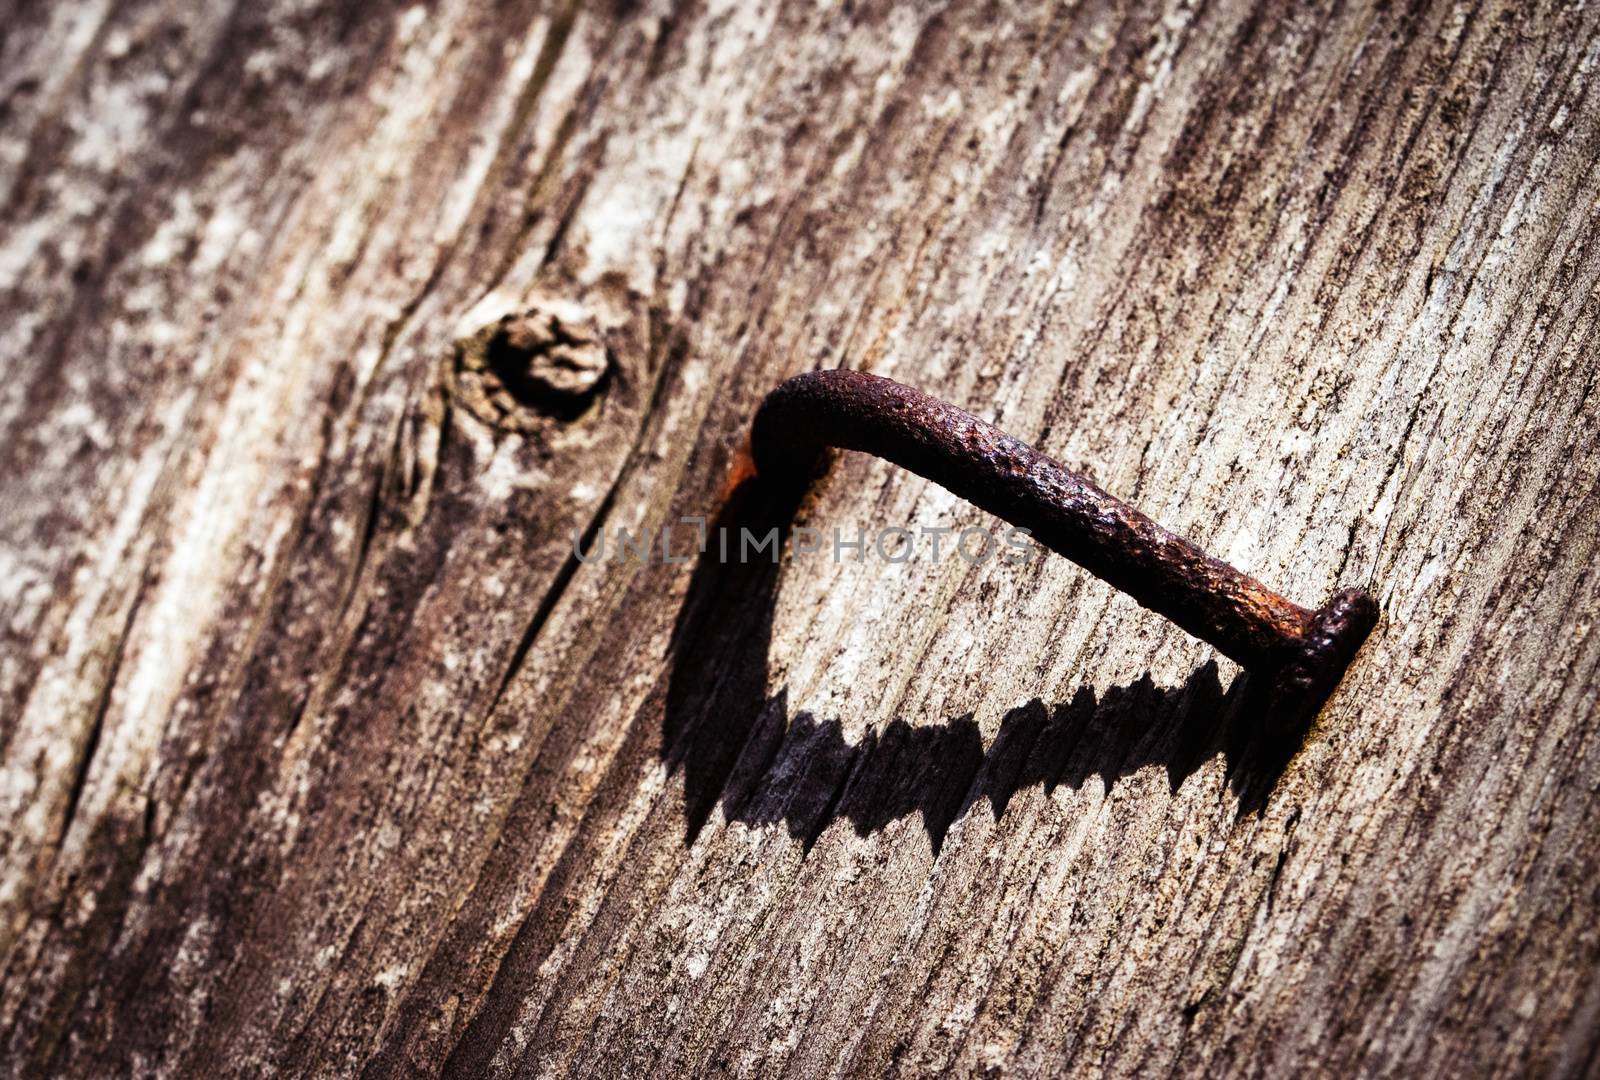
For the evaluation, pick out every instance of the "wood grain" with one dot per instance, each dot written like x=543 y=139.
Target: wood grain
x=321 y=753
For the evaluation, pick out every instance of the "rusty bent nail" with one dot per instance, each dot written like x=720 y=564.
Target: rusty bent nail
x=1304 y=652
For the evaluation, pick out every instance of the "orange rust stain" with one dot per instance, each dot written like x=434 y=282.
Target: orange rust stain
x=742 y=469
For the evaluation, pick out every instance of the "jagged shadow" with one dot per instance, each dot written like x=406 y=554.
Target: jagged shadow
x=736 y=745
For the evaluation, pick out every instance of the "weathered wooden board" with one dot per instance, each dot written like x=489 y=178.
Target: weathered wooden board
x=320 y=752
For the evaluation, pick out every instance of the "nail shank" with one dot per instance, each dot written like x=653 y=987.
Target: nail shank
x=1064 y=511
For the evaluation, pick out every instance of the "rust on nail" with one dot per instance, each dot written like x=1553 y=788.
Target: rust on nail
x=1306 y=651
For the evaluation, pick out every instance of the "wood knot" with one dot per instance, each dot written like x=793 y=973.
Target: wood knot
x=528 y=369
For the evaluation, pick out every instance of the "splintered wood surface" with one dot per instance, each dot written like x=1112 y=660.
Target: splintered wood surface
x=321 y=753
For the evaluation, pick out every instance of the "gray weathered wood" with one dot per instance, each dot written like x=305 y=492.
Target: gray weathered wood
x=321 y=754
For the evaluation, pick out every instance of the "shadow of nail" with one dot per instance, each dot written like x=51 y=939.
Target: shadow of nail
x=736 y=746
